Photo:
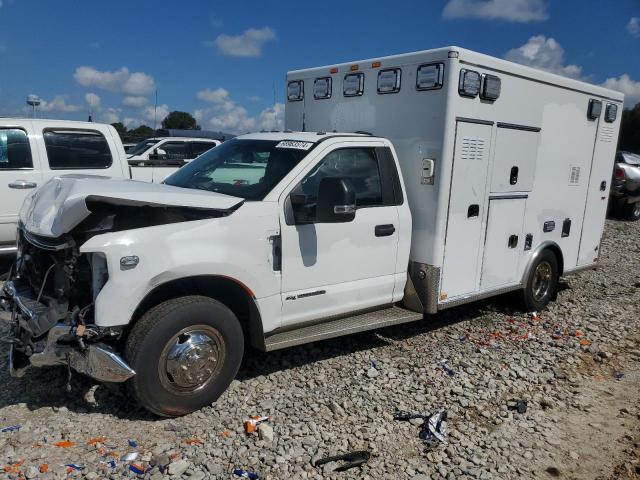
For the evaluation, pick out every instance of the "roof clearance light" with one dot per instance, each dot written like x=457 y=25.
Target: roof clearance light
x=389 y=80
x=430 y=76
x=354 y=68
x=469 y=83
x=322 y=88
x=353 y=85
x=376 y=65
x=333 y=70
x=295 y=90
x=611 y=113
x=491 y=86
x=595 y=109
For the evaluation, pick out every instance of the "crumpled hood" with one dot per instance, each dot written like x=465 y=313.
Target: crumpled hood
x=61 y=204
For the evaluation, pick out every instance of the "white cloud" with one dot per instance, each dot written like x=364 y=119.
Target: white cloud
x=59 y=104
x=625 y=84
x=546 y=54
x=225 y=114
x=135 y=101
x=247 y=44
x=149 y=114
x=254 y=98
x=131 y=122
x=633 y=27
x=508 y=10
x=93 y=101
x=121 y=81
x=111 y=115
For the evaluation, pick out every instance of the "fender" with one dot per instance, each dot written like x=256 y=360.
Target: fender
x=547 y=244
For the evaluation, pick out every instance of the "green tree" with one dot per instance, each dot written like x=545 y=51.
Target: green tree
x=630 y=130
x=120 y=128
x=142 y=132
x=181 y=120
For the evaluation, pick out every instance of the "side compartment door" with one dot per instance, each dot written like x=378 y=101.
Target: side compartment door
x=604 y=152
x=335 y=268
x=463 y=247
x=504 y=242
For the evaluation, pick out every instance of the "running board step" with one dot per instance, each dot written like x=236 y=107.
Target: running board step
x=342 y=326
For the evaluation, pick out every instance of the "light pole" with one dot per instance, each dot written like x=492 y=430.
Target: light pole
x=33 y=101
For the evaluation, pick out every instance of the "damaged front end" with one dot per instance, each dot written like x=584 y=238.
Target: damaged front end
x=51 y=311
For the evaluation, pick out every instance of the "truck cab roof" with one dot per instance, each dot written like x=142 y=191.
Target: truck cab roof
x=313 y=137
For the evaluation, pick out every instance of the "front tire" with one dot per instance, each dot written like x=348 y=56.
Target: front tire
x=185 y=352
x=542 y=282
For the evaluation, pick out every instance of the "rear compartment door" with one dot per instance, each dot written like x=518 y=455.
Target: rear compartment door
x=503 y=243
x=467 y=203
x=598 y=192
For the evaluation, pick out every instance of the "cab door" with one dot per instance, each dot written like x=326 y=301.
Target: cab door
x=332 y=268
x=20 y=173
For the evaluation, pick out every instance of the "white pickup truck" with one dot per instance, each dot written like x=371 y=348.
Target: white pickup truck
x=34 y=150
x=282 y=238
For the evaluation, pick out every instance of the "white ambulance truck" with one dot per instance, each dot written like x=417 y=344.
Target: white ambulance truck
x=493 y=177
x=503 y=164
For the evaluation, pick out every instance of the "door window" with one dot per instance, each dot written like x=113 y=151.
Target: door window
x=15 y=153
x=77 y=149
x=357 y=164
x=198 y=148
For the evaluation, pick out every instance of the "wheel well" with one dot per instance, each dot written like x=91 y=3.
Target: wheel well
x=227 y=291
x=558 y=253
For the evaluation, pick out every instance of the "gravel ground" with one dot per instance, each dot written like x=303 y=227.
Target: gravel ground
x=577 y=365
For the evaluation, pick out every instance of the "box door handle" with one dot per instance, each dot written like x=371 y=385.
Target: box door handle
x=384 y=230
x=513 y=241
x=513 y=177
x=22 y=184
x=473 y=211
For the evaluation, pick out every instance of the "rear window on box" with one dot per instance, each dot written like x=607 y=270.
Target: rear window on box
x=491 y=86
x=77 y=149
x=469 y=84
x=353 y=84
x=430 y=76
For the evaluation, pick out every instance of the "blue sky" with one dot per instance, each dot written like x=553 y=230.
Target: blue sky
x=224 y=62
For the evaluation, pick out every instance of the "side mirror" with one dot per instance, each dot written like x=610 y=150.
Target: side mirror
x=336 y=201
x=158 y=154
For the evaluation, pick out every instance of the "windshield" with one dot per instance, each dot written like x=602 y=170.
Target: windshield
x=141 y=147
x=243 y=168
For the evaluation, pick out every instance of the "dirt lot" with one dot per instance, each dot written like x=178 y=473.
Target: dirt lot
x=577 y=365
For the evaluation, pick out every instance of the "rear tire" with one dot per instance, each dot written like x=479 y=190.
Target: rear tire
x=185 y=353
x=542 y=282
x=631 y=211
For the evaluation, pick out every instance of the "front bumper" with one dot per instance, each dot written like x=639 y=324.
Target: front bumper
x=38 y=338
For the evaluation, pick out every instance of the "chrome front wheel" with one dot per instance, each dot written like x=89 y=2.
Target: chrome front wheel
x=542 y=280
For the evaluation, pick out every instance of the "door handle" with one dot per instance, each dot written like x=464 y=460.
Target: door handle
x=22 y=184
x=385 y=230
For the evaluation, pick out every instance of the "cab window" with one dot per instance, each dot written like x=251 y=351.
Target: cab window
x=77 y=149
x=15 y=153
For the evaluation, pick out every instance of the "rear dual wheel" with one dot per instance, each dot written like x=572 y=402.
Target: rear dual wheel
x=185 y=353
x=542 y=282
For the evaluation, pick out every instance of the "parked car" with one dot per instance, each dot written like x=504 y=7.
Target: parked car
x=34 y=150
x=625 y=186
x=484 y=180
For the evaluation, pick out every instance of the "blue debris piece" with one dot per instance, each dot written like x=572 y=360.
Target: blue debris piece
x=448 y=370
x=75 y=466
x=619 y=376
x=135 y=469
x=11 y=428
x=133 y=444
x=238 y=472
x=112 y=464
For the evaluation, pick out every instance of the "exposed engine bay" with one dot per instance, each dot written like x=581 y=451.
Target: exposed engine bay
x=52 y=287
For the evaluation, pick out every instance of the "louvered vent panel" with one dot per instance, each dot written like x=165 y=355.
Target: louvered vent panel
x=472 y=148
x=606 y=134
x=574 y=175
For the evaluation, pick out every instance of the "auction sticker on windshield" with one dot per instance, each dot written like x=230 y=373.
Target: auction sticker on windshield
x=295 y=144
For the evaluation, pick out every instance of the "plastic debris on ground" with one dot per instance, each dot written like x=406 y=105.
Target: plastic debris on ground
x=133 y=444
x=238 y=472
x=433 y=428
x=74 y=466
x=519 y=405
x=351 y=459
x=137 y=469
x=619 y=376
x=194 y=441
x=96 y=440
x=447 y=369
x=44 y=468
x=129 y=457
x=10 y=428
x=252 y=422
x=64 y=444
